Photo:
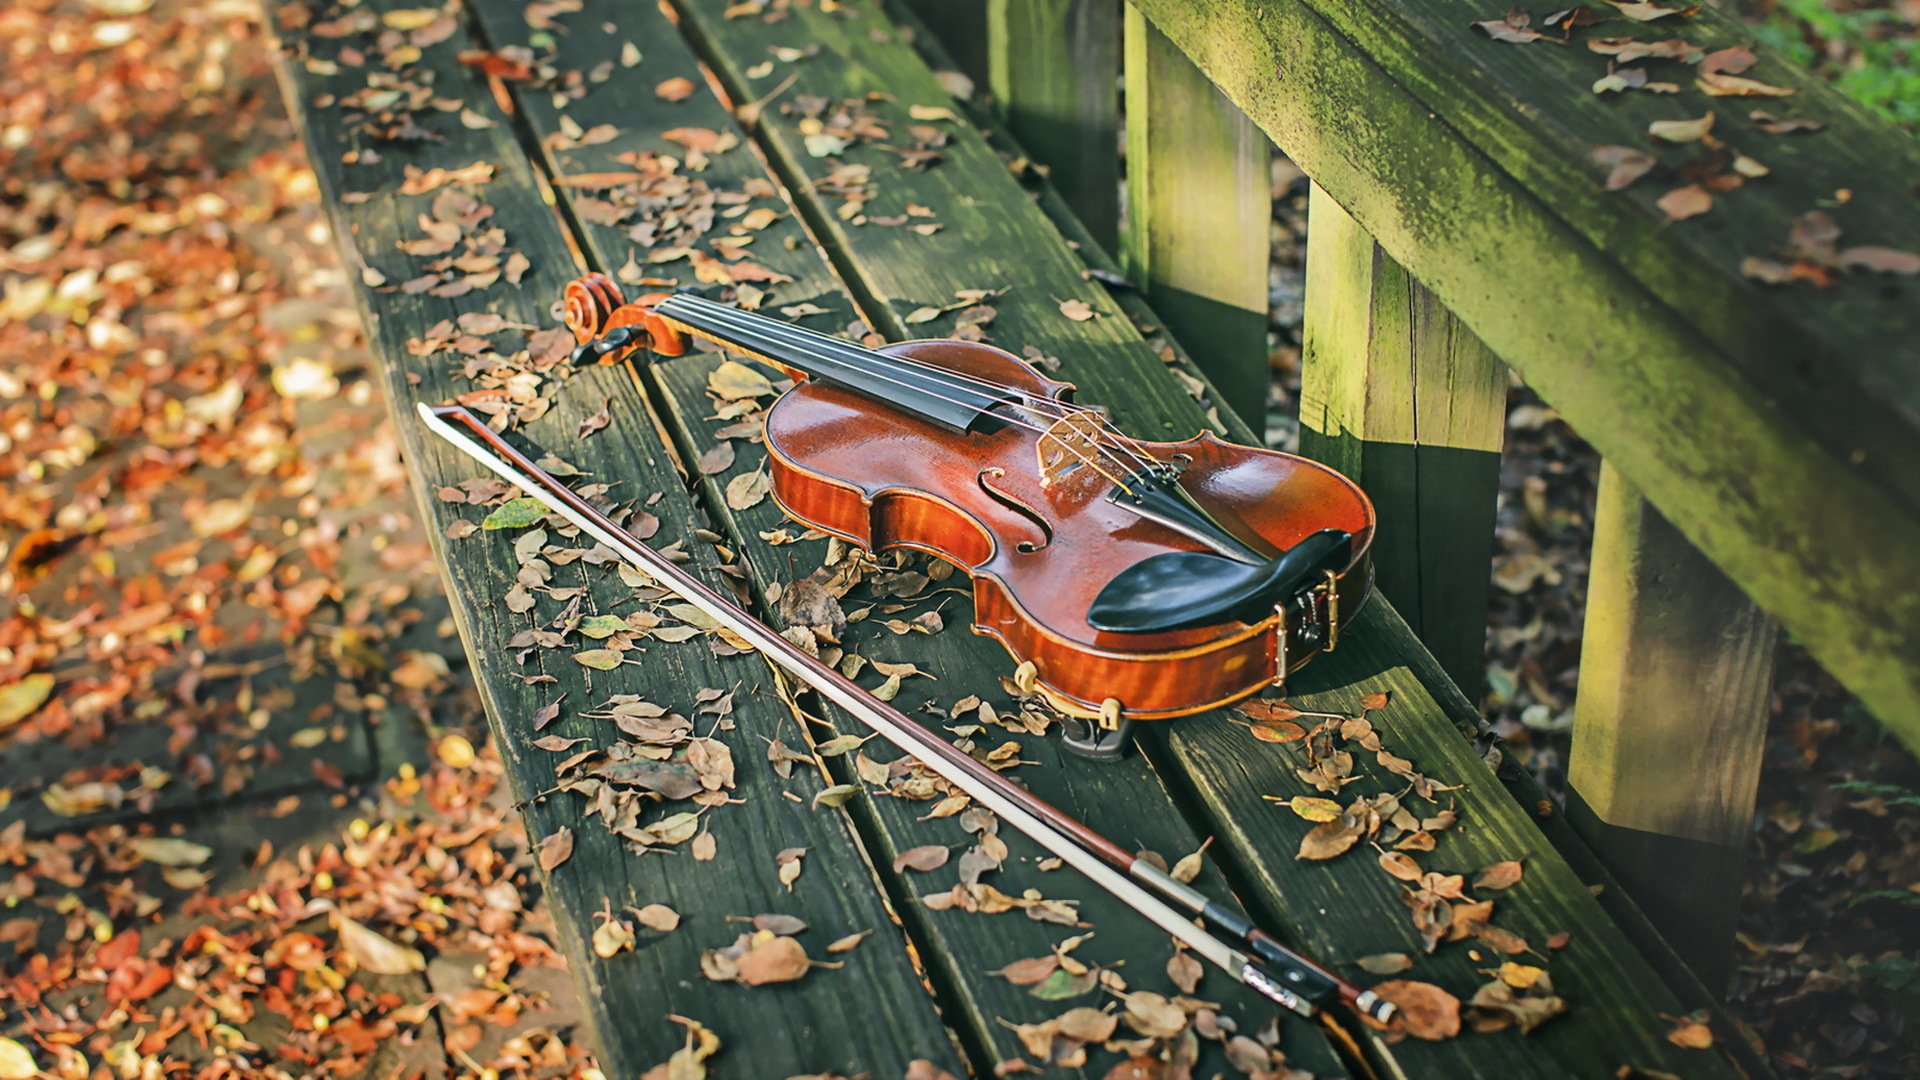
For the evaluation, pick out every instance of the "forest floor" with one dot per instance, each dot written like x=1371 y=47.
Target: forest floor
x=249 y=820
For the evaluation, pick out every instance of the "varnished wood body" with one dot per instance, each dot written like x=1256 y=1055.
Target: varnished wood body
x=882 y=479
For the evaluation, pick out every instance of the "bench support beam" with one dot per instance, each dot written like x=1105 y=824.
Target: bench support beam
x=1401 y=397
x=1669 y=725
x=1199 y=216
x=1053 y=66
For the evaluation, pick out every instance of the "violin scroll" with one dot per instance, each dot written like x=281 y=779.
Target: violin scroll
x=609 y=329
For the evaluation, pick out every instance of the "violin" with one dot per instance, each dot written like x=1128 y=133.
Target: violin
x=1129 y=580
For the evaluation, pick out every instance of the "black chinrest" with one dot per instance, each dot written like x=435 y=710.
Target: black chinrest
x=1183 y=589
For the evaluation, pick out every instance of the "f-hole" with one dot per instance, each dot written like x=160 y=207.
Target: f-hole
x=1018 y=506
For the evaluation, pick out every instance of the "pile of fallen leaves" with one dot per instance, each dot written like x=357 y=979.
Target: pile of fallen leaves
x=1401 y=823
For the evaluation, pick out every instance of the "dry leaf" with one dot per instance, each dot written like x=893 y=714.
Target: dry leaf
x=747 y=490
x=1313 y=808
x=611 y=937
x=1385 y=963
x=1077 y=310
x=1501 y=875
x=678 y=88
x=1328 y=839
x=1426 y=1011
x=1685 y=202
x=1884 y=260
x=1691 y=1033
x=774 y=960
x=22 y=699
x=1624 y=165
x=1400 y=866
x=658 y=917
x=925 y=858
x=1185 y=971
x=375 y=953
x=1681 y=131
x=1277 y=731
x=1515 y=29
x=556 y=848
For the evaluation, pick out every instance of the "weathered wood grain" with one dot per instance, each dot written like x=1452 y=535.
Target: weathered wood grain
x=1670 y=725
x=1769 y=425
x=961 y=950
x=1199 y=216
x=871 y=1015
x=1396 y=394
x=1054 y=67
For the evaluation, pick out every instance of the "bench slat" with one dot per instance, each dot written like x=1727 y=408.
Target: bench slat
x=873 y=1014
x=1125 y=800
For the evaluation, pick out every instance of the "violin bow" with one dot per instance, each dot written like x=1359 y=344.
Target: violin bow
x=1272 y=969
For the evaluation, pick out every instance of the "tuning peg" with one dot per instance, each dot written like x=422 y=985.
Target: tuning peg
x=618 y=337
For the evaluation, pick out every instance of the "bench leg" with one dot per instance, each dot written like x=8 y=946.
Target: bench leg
x=1669 y=726
x=1401 y=397
x=1199 y=216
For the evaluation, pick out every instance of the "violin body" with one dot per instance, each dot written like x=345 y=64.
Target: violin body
x=1037 y=514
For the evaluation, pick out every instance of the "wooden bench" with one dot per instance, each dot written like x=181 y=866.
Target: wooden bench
x=788 y=189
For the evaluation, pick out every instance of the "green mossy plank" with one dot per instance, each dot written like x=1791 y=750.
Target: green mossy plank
x=1790 y=478
x=1125 y=377
x=871 y=1015
x=962 y=949
x=1053 y=67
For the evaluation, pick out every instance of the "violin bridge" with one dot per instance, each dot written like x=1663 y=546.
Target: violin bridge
x=1072 y=442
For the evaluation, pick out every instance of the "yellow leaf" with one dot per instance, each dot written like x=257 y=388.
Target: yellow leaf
x=22 y=699
x=733 y=380
x=168 y=851
x=16 y=1061
x=456 y=751
x=1314 y=809
x=377 y=954
x=1520 y=976
x=409 y=18
x=613 y=936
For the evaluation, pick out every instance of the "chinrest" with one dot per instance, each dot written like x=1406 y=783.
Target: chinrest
x=1184 y=589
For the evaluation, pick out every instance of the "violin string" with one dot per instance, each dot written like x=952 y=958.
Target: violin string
x=1043 y=431
x=848 y=353
x=1143 y=461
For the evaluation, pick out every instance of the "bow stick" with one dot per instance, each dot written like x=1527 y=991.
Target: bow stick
x=1273 y=970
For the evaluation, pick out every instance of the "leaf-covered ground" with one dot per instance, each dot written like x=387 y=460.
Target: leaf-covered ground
x=248 y=826
x=248 y=822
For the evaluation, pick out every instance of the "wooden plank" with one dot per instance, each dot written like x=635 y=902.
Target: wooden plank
x=1675 y=661
x=1054 y=68
x=1767 y=425
x=993 y=239
x=1199 y=216
x=962 y=950
x=870 y=1015
x=1398 y=395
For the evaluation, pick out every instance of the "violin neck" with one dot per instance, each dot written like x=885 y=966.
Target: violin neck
x=952 y=400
